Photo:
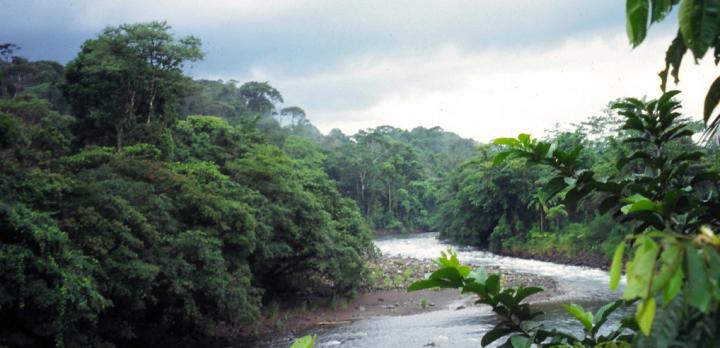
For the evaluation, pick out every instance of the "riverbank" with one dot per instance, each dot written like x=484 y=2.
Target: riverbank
x=384 y=294
x=581 y=258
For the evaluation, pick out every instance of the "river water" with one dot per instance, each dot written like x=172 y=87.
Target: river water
x=463 y=328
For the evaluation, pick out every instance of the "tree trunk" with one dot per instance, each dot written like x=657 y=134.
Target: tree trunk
x=151 y=103
x=118 y=137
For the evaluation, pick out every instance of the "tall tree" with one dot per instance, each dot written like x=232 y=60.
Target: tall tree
x=260 y=97
x=129 y=75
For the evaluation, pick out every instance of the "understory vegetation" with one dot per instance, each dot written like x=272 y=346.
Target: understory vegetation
x=502 y=205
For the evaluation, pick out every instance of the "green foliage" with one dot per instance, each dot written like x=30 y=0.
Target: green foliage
x=393 y=174
x=516 y=314
x=162 y=227
x=672 y=206
x=304 y=342
x=480 y=201
x=47 y=290
x=123 y=84
x=699 y=28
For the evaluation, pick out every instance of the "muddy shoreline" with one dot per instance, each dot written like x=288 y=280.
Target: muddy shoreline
x=385 y=294
x=585 y=259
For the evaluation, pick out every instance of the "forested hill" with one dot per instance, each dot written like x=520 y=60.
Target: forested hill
x=392 y=174
x=138 y=202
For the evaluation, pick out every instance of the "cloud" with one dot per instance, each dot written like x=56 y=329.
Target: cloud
x=296 y=36
x=480 y=68
x=491 y=94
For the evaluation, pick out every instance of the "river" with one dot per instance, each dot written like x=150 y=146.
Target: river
x=462 y=328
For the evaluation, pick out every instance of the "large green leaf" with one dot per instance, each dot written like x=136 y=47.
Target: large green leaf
x=711 y=99
x=492 y=284
x=603 y=313
x=616 y=266
x=554 y=186
x=641 y=205
x=476 y=288
x=698 y=21
x=522 y=293
x=502 y=156
x=585 y=318
x=518 y=341
x=713 y=259
x=674 y=286
x=304 y=342
x=493 y=335
x=673 y=59
x=645 y=315
x=424 y=284
x=641 y=269
x=506 y=141
x=637 y=20
x=698 y=286
x=660 y=9
x=670 y=262
x=450 y=277
x=665 y=327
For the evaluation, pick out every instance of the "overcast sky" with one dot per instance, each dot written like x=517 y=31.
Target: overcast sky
x=482 y=69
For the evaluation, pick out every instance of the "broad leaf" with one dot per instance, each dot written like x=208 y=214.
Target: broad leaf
x=641 y=205
x=506 y=141
x=674 y=287
x=616 y=266
x=670 y=261
x=698 y=21
x=502 y=156
x=494 y=335
x=424 y=284
x=711 y=100
x=641 y=269
x=673 y=59
x=645 y=315
x=698 y=286
x=304 y=342
x=522 y=293
x=637 y=20
x=603 y=313
x=518 y=341
x=660 y=9
x=554 y=186
x=665 y=326
x=586 y=318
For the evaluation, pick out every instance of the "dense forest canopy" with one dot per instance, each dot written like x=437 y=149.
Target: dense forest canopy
x=138 y=201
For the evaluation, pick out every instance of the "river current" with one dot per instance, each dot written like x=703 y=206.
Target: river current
x=462 y=328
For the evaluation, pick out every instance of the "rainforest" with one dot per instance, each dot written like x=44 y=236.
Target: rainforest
x=142 y=205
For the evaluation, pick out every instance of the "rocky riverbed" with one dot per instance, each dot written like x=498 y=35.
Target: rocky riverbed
x=384 y=294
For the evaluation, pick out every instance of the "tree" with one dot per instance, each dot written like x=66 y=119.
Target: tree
x=296 y=115
x=7 y=50
x=260 y=97
x=128 y=75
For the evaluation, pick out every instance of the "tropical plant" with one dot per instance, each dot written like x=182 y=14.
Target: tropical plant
x=673 y=203
x=304 y=342
x=517 y=315
x=699 y=28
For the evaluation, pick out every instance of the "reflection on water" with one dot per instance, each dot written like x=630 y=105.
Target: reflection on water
x=461 y=328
